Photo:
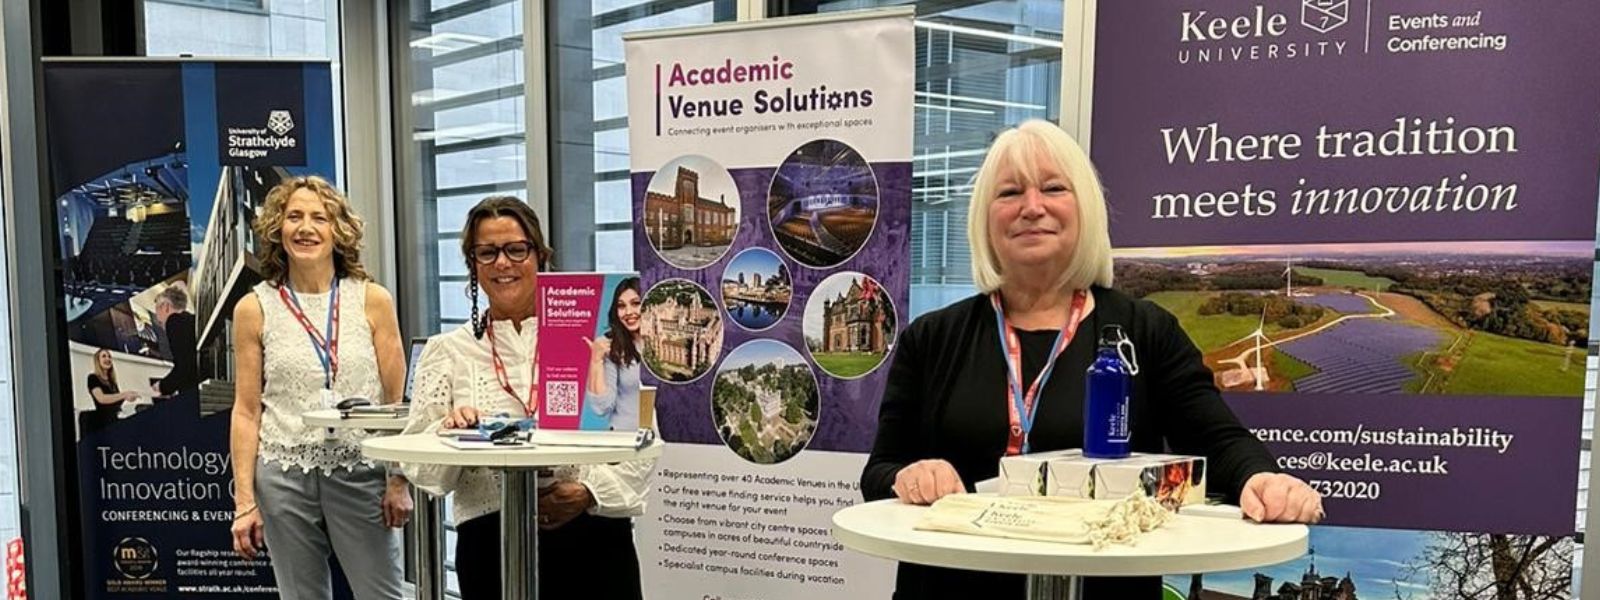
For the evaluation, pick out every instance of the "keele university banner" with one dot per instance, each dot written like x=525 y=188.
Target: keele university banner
x=1377 y=221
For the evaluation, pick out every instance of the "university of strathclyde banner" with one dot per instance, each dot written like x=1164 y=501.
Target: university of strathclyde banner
x=1377 y=221
x=157 y=168
x=771 y=188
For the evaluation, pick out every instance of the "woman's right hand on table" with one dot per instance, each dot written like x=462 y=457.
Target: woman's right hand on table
x=461 y=417
x=926 y=481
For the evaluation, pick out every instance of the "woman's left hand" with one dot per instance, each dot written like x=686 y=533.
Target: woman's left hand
x=397 y=504
x=1280 y=498
x=563 y=502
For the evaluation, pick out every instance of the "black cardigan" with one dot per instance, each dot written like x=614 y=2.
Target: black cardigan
x=946 y=399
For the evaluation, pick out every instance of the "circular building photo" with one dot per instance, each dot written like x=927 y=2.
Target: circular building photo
x=756 y=289
x=823 y=203
x=850 y=324
x=764 y=402
x=681 y=330
x=691 y=211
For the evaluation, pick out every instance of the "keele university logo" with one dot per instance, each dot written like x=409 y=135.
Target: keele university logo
x=1262 y=32
x=1323 y=16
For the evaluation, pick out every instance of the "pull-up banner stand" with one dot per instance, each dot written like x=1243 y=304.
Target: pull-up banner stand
x=772 y=197
x=157 y=168
x=1377 y=220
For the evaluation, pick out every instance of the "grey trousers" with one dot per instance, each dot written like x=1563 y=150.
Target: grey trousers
x=306 y=515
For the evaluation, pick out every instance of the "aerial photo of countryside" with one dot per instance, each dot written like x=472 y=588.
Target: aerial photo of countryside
x=1480 y=318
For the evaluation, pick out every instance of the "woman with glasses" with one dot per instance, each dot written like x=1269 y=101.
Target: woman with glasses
x=488 y=368
x=316 y=331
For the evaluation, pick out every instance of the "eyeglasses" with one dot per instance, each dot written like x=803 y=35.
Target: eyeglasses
x=486 y=254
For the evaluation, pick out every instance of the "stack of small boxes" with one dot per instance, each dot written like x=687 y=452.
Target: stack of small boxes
x=1172 y=480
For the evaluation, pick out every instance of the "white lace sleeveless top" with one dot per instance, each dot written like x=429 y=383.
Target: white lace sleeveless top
x=293 y=378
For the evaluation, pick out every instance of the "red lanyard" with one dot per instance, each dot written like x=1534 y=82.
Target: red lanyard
x=325 y=345
x=505 y=380
x=1023 y=406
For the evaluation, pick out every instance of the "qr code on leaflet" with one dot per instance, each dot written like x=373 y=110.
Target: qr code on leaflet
x=561 y=398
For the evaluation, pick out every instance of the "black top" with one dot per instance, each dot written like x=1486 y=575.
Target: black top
x=946 y=399
x=104 y=411
x=185 y=373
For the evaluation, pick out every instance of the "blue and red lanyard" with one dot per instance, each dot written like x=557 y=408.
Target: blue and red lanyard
x=326 y=345
x=1024 y=405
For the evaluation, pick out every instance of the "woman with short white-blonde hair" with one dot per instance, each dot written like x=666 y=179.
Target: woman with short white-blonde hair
x=1003 y=372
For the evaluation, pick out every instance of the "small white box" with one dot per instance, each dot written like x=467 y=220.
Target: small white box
x=1172 y=480
x=1073 y=476
x=1024 y=474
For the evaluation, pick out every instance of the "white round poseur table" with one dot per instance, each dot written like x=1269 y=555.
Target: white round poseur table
x=519 y=494
x=427 y=538
x=1186 y=544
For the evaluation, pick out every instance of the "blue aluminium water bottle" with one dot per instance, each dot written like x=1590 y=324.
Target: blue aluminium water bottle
x=1105 y=403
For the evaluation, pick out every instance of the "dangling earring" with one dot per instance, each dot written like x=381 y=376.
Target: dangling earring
x=472 y=292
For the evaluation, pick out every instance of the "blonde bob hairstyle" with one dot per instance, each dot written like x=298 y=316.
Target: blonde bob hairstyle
x=1019 y=148
x=345 y=224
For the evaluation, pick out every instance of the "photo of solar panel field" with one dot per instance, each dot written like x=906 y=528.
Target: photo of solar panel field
x=1495 y=318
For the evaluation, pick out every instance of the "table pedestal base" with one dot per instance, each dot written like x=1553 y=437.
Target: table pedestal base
x=427 y=543
x=1055 y=587
x=519 y=532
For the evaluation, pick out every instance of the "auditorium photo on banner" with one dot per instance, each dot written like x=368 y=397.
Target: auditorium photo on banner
x=153 y=195
x=1376 y=220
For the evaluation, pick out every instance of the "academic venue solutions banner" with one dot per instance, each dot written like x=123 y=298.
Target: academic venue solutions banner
x=156 y=170
x=1377 y=220
x=772 y=196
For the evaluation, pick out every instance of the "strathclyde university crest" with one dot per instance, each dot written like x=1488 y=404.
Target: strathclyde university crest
x=1323 y=16
x=280 y=122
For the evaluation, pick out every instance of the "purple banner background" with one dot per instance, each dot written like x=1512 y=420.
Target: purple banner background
x=848 y=412
x=1149 y=77
x=1542 y=84
x=1483 y=490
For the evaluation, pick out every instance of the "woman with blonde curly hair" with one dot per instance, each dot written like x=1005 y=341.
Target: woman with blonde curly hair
x=315 y=332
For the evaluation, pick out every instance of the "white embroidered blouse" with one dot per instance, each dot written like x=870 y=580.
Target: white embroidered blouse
x=293 y=378
x=456 y=369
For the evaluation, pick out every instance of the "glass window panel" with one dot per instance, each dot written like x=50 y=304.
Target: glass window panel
x=475 y=75
x=464 y=67
x=453 y=301
x=981 y=67
x=613 y=202
x=588 y=103
x=608 y=40
x=611 y=150
x=482 y=166
x=451 y=263
x=613 y=250
x=611 y=98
